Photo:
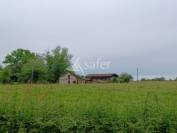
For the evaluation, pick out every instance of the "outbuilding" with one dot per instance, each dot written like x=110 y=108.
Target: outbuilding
x=70 y=78
x=99 y=78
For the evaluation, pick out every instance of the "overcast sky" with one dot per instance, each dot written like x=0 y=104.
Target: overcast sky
x=126 y=33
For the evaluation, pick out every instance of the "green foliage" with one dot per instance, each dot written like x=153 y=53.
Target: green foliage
x=144 y=107
x=154 y=79
x=1 y=74
x=124 y=78
x=18 y=57
x=34 y=70
x=115 y=80
x=15 y=61
x=143 y=79
x=23 y=66
x=158 y=79
x=5 y=75
x=58 y=61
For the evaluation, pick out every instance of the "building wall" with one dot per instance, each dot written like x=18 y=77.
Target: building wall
x=101 y=79
x=68 y=79
x=72 y=79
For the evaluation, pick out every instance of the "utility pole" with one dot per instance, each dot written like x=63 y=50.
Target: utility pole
x=137 y=72
x=32 y=75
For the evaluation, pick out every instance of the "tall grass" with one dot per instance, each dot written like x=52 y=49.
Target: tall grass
x=143 y=107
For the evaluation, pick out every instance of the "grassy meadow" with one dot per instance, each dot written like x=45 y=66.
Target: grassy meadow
x=91 y=108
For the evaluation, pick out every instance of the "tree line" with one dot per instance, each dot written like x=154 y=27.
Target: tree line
x=26 y=66
x=158 y=79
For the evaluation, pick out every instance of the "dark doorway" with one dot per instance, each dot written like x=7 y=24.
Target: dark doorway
x=69 y=77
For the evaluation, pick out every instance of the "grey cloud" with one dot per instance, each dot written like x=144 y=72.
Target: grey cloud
x=129 y=33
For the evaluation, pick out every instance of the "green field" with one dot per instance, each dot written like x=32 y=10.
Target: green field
x=134 y=107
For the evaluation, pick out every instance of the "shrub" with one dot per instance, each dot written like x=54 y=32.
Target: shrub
x=158 y=79
x=125 y=78
x=143 y=79
x=5 y=76
x=115 y=80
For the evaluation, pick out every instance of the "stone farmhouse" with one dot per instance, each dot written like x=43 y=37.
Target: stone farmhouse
x=100 y=78
x=72 y=78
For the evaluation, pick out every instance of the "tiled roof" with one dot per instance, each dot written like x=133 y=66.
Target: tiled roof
x=101 y=75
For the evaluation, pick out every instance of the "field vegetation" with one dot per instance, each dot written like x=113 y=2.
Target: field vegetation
x=131 y=107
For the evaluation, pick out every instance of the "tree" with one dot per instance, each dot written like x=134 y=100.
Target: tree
x=143 y=79
x=58 y=61
x=125 y=78
x=115 y=80
x=5 y=76
x=15 y=61
x=34 y=70
x=159 y=79
x=176 y=79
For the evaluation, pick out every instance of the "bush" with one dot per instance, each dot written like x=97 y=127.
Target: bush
x=115 y=80
x=154 y=79
x=143 y=79
x=159 y=79
x=124 y=78
x=5 y=76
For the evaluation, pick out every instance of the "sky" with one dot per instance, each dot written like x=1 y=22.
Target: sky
x=124 y=34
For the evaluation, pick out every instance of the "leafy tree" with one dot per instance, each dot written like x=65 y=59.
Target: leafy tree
x=35 y=70
x=20 y=63
x=58 y=61
x=159 y=79
x=125 y=78
x=5 y=76
x=143 y=79
x=15 y=61
x=115 y=80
